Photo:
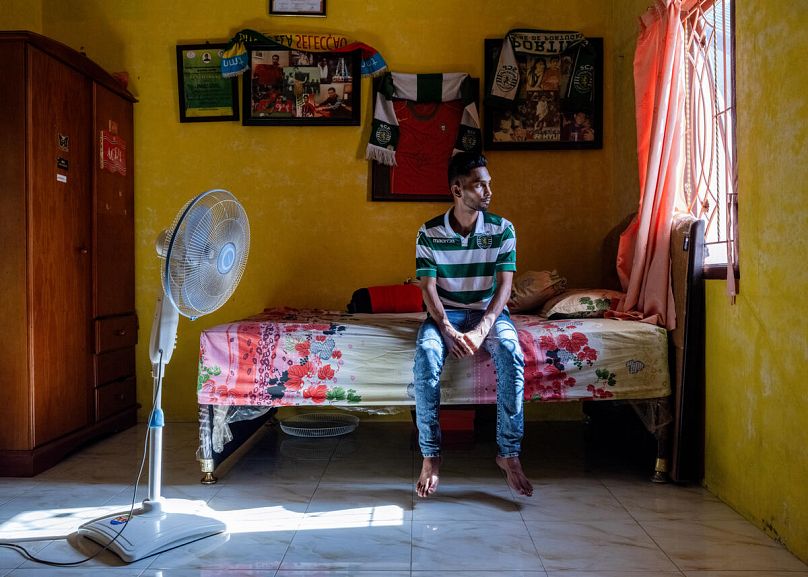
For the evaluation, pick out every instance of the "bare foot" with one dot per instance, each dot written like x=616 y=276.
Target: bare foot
x=428 y=481
x=516 y=476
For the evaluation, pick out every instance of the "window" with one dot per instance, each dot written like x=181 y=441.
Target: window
x=710 y=171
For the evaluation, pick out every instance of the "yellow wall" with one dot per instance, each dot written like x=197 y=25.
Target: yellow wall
x=21 y=15
x=757 y=350
x=316 y=236
x=624 y=27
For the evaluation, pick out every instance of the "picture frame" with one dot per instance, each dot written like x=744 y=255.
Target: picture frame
x=204 y=95
x=297 y=7
x=540 y=119
x=421 y=182
x=287 y=87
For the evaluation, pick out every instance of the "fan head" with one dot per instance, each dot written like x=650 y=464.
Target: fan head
x=205 y=253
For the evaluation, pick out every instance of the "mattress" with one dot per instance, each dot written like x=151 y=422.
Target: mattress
x=290 y=357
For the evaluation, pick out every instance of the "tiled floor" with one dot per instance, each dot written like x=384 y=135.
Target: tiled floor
x=345 y=506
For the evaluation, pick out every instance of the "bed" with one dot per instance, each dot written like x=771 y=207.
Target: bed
x=286 y=357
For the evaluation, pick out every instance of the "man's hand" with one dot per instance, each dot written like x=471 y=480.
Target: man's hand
x=475 y=337
x=456 y=342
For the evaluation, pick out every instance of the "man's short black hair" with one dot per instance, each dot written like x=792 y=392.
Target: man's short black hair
x=462 y=163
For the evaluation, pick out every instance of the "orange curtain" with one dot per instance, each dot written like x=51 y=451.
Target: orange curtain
x=643 y=259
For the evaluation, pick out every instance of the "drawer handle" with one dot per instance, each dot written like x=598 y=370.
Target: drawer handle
x=120 y=332
x=122 y=397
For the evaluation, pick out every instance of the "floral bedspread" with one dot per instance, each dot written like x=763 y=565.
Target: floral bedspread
x=285 y=357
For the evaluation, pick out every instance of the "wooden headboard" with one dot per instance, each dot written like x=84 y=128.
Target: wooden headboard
x=686 y=341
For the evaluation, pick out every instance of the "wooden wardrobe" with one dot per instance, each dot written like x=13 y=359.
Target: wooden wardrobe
x=68 y=327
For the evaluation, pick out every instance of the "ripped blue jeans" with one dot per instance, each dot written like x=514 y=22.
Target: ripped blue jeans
x=502 y=343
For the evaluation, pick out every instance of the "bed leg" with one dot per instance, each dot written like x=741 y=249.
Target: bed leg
x=661 y=466
x=207 y=468
x=660 y=471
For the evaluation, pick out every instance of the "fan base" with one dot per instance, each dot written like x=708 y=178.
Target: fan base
x=156 y=527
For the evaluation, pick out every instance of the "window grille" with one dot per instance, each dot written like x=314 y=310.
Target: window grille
x=710 y=171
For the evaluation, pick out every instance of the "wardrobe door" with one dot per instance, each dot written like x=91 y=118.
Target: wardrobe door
x=114 y=213
x=15 y=432
x=59 y=242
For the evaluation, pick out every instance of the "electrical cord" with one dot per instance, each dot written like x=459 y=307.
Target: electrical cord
x=31 y=557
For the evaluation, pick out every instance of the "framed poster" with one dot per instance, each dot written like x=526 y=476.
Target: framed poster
x=543 y=116
x=296 y=88
x=204 y=95
x=297 y=7
x=427 y=137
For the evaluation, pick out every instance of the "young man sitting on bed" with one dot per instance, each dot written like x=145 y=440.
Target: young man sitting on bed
x=465 y=259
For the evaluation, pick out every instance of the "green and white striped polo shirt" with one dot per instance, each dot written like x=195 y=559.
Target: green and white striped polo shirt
x=465 y=267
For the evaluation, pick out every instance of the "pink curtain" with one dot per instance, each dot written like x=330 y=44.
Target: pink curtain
x=643 y=258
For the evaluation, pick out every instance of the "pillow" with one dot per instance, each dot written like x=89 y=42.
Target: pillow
x=581 y=304
x=532 y=288
x=401 y=298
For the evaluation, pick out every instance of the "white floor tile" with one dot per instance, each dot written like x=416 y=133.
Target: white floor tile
x=657 y=502
x=597 y=546
x=303 y=449
x=57 y=512
x=251 y=550
x=369 y=500
x=76 y=548
x=11 y=487
x=439 y=573
x=720 y=545
x=368 y=468
x=250 y=472
x=746 y=573
x=470 y=545
x=347 y=545
x=614 y=574
x=10 y=559
x=571 y=500
x=283 y=573
x=174 y=572
x=282 y=500
x=467 y=503
x=74 y=571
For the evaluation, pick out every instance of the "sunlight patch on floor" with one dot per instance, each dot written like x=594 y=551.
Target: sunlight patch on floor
x=60 y=523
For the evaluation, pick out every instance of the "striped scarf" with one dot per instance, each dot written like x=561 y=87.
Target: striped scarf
x=235 y=57
x=579 y=94
x=384 y=132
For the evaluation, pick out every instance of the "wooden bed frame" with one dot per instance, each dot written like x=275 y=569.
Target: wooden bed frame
x=678 y=426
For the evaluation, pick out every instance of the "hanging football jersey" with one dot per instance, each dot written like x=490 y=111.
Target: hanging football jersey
x=427 y=135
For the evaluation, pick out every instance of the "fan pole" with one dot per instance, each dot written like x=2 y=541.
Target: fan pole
x=156 y=423
x=161 y=346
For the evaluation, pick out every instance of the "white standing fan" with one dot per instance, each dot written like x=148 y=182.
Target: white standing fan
x=205 y=252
